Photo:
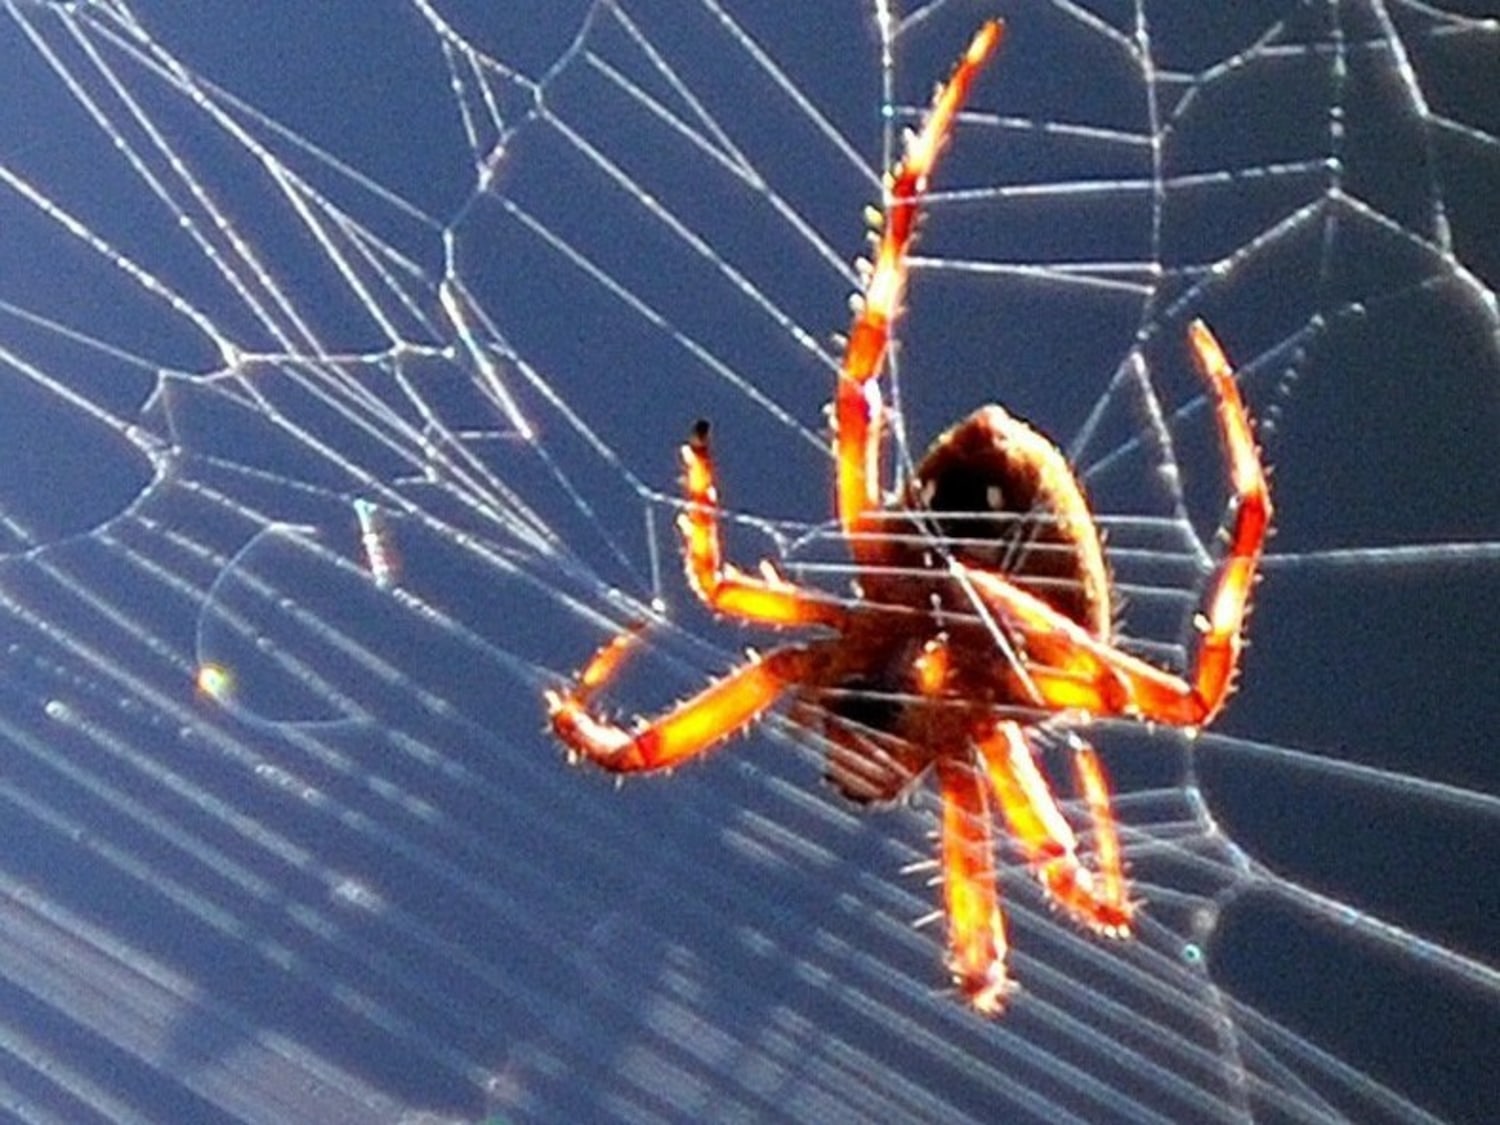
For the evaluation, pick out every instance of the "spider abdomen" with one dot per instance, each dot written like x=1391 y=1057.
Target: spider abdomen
x=1000 y=497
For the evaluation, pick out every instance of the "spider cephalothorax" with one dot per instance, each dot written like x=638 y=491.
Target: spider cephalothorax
x=982 y=605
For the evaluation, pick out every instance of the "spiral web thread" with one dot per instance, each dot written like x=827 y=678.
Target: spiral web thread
x=343 y=366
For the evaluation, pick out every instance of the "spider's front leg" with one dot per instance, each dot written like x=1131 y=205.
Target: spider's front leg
x=695 y=725
x=1070 y=668
x=857 y=405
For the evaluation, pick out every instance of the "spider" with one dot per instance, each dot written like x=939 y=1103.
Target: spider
x=982 y=606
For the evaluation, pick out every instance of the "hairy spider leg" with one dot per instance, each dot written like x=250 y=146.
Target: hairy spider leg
x=1095 y=898
x=1072 y=669
x=697 y=724
x=976 y=929
x=1093 y=784
x=767 y=598
x=1224 y=616
x=857 y=400
x=701 y=722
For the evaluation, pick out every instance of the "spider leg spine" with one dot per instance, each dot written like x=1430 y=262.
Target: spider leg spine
x=928 y=919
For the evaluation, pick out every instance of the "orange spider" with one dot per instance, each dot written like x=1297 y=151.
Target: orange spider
x=983 y=594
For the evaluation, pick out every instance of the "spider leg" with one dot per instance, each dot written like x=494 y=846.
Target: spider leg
x=695 y=725
x=1071 y=668
x=767 y=598
x=976 y=927
x=1095 y=898
x=1089 y=776
x=1224 y=614
x=857 y=400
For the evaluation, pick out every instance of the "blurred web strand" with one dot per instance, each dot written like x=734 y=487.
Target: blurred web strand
x=281 y=836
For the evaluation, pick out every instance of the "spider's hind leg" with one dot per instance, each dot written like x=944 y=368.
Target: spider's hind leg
x=976 y=927
x=1095 y=897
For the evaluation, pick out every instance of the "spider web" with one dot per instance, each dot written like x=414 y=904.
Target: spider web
x=284 y=839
